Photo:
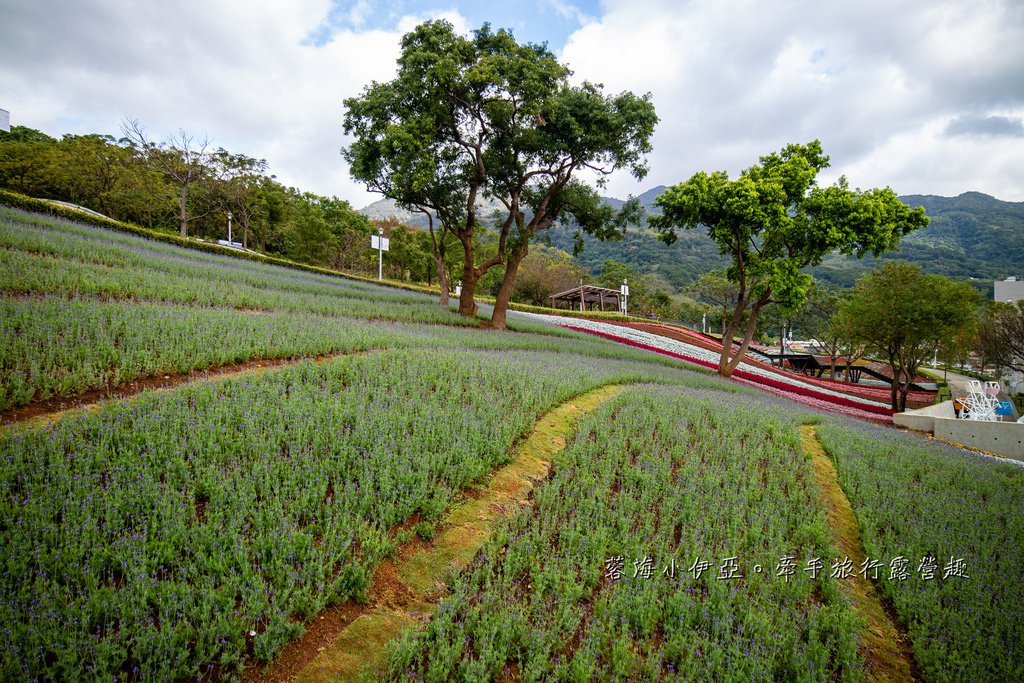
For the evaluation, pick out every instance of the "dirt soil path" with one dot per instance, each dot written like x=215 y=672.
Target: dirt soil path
x=349 y=639
x=885 y=646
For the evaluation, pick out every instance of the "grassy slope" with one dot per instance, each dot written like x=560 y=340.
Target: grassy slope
x=128 y=547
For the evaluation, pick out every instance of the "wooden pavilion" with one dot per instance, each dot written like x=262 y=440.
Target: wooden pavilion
x=584 y=296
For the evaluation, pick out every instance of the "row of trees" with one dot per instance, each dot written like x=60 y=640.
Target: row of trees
x=184 y=184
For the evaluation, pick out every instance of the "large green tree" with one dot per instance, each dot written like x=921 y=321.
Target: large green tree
x=773 y=221
x=472 y=119
x=1000 y=338
x=903 y=315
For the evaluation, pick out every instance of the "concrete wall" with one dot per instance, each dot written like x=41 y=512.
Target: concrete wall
x=923 y=419
x=1008 y=290
x=1002 y=438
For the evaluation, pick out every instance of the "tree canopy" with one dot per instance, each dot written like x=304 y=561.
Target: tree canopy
x=1001 y=336
x=124 y=180
x=773 y=221
x=470 y=119
x=903 y=315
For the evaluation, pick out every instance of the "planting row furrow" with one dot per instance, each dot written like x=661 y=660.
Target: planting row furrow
x=674 y=540
x=173 y=535
x=957 y=519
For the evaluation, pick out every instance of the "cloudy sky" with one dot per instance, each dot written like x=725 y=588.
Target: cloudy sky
x=925 y=96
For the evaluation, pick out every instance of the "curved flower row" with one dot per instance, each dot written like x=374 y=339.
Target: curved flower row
x=709 y=359
x=876 y=393
x=818 y=403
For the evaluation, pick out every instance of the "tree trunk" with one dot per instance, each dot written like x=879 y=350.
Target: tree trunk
x=508 y=281
x=182 y=214
x=442 y=278
x=747 y=336
x=723 y=360
x=467 y=306
x=905 y=389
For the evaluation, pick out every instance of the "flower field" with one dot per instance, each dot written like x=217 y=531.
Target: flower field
x=925 y=500
x=187 y=534
x=673 y=541
x=153 y=535
x=811 y=391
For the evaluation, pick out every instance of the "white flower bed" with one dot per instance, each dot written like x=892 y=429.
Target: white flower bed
x=700 y=354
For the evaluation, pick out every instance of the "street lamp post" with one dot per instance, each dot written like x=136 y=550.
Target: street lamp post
x=380 y=253
x=625 y=297
x=230 y=241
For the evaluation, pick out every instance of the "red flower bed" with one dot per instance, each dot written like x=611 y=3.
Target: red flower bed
x=871 y=393
x=789 y=389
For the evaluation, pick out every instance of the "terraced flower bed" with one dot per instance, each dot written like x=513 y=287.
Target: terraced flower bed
x=958 y=521
x=673 y=541
x=175 y=534
x=181 y=534
x=797 y=388
x=872 y=393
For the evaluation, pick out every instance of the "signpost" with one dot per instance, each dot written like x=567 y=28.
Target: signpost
x=624 y=290
x=380 y=243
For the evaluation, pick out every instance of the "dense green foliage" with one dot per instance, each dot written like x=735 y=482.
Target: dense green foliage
x=138 y=183
x=773 y=221
x=667 y=476
x=477 y=117
x=972 y=235
x=902 y=316
x=915 y=499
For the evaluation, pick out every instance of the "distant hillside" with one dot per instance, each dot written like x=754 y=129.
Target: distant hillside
x=970 y=236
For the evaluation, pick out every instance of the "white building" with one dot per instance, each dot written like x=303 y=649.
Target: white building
x=1010 y=289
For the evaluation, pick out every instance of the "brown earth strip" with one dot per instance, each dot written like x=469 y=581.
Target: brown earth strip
x=344 y=641
x=884 y=646
x=51 y=409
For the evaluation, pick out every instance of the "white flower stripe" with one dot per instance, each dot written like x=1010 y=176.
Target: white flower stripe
x=707 y=358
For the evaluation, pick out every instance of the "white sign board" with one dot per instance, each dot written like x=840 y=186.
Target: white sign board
x=5 y=120
x=379 y=242
x=624 y=289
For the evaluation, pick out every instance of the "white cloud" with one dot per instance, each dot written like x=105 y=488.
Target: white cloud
x=734 y=80
x=568 y=10
x=879 y=83
x=245 y=74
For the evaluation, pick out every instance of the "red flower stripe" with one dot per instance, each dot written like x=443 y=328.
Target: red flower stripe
x=749 y=376
x=856 y=390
